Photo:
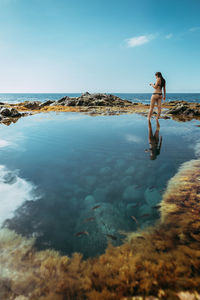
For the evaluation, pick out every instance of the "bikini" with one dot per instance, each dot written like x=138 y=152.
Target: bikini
x=158 y=93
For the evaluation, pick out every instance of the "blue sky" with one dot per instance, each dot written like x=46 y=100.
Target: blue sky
x=99 y=45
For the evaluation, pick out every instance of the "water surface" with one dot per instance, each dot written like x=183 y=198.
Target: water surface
x=56 y=167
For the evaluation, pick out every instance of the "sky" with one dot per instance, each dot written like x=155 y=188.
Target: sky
x=74 y=46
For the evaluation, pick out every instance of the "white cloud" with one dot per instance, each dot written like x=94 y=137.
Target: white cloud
x=169 y=36
x=4 y=143
x=14 y=191
x=139 y=40
x=133 y=138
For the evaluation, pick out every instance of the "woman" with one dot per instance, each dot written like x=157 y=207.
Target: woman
x=157 y=95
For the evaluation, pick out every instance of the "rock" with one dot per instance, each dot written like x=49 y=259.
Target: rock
x=89 y=199
x=132 y=193
x=96 y=99
x=32 y=104
x=48 y=102
x=6 y=112
x=15 y=113
x=152 y=196
x=90 y=180
x=86 y=94
x=178 y=109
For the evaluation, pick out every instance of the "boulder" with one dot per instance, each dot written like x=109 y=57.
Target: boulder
x=180 y=108
x=15 y=113
x=96 y=99
x=32 y=104
x=7 y=112
x=46 y=103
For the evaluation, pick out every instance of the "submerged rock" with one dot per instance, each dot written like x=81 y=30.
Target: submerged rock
x=162 y=261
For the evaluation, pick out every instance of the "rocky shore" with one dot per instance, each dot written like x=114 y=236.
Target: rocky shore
x=97 y=104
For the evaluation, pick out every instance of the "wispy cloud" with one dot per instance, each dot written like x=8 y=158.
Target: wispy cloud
x=139 y=40
x=133 y=138
x=193 y=29
x=169 y=36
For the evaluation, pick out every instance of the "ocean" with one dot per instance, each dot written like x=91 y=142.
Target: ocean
x=135 y=97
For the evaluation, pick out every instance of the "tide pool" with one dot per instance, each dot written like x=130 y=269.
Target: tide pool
x=76 y=182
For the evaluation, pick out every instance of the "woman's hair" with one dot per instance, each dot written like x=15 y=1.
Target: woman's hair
x=162 y=79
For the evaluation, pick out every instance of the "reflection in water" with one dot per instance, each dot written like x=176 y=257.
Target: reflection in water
x=154 y=142
x=78 y=164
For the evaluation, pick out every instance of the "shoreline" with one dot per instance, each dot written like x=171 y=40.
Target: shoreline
x=96 y=105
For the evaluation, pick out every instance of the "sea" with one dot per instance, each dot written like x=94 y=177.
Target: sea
x=135 y=97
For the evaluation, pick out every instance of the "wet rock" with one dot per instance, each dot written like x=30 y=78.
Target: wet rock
x=96 y=99
x=185 y=110
x=48 y=102
x=7 y=112
x=90 y=180
x=89 y=200
x=15 y=113
x=152 y=196
x=130 y=170
x=131 y=193
x=32 y=104
x=105 y=170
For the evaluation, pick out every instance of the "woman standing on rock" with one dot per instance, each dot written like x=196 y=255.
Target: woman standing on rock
x=157 y=95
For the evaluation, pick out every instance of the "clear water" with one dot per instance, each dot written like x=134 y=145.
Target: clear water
x=55 y=167
x=135 y=97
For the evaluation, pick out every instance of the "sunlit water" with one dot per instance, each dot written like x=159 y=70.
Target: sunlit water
x=56 y=167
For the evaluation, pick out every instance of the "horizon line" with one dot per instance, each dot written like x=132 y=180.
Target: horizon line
x=96 y=92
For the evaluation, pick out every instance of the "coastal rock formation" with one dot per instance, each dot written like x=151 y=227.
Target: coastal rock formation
x=31 y=104
x=10 y=114
x=184 y=109
x=108 y=104
x=97 y=99
x=161 y=262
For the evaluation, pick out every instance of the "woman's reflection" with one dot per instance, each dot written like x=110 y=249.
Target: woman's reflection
x=154 y=143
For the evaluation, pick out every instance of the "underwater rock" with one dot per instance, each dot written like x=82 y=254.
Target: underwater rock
x=105 y=170
x=90 y=180
x=152 y=196
x=119 y=163
x=130 y=170
x=132 y=193
x=90 y=200
x=162 y=261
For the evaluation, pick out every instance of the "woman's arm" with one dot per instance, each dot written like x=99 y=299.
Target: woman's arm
x=164 y=93
x=158 y=82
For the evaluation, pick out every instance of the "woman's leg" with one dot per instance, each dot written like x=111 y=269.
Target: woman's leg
x=159 y=107
x=153 y=99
